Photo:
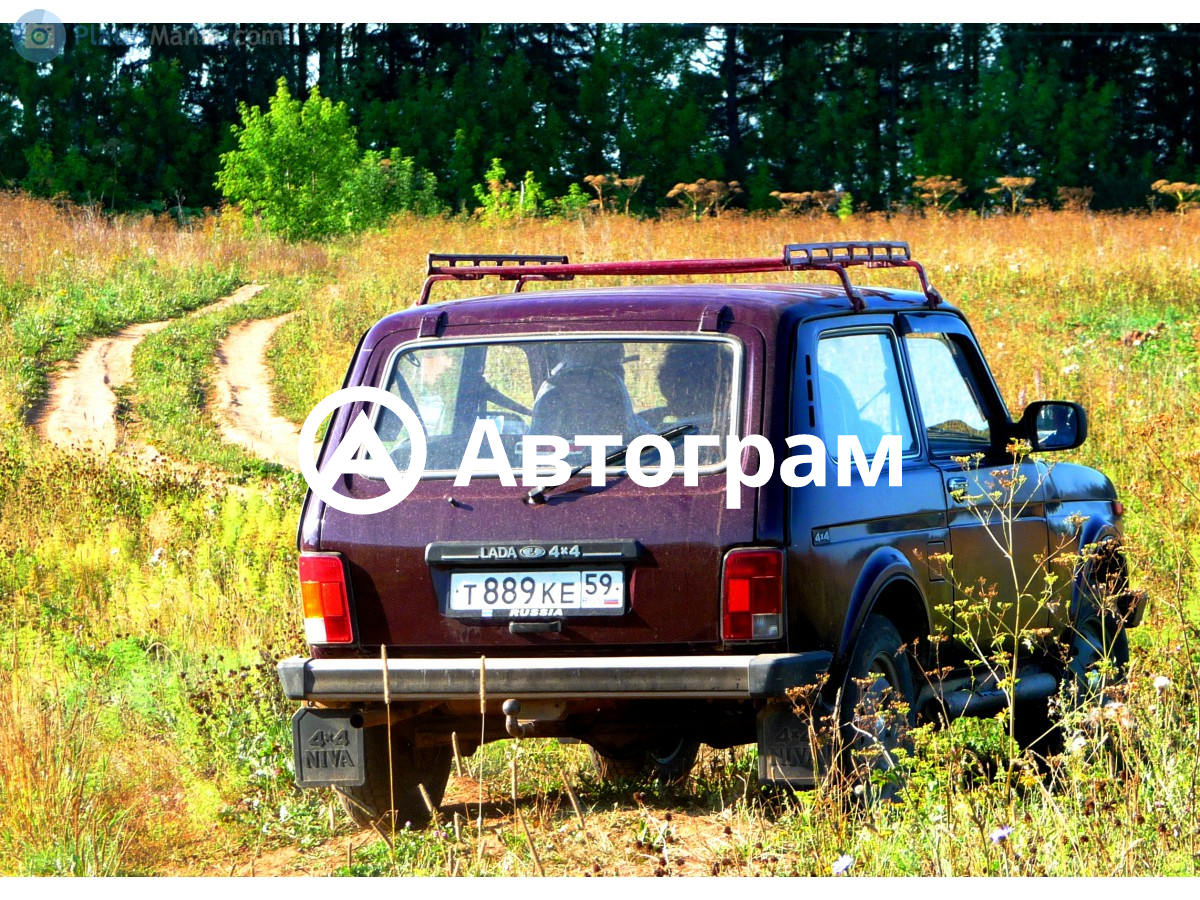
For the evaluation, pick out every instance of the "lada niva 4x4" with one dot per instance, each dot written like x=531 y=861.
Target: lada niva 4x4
x=729 y=584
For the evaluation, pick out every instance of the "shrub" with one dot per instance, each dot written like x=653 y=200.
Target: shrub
x=1185 y=195
x=1015 y=188
x=612 y=190
x=811 y=202
x=1076 y=199
x=938 y=191
x=500 y=200
x=299 y=167
x=705 y=196
x=382 y=186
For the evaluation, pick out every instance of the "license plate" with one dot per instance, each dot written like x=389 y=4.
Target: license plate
x=510 y=595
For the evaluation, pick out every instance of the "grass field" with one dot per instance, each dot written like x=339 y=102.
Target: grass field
x=142 y=606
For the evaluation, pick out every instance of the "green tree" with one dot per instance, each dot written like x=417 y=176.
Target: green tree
x=293 y=165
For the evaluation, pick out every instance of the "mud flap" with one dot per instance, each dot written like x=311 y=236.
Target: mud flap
x=327 y=747
x=785 y=753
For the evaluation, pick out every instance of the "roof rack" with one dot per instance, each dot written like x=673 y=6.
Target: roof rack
x=826 y=257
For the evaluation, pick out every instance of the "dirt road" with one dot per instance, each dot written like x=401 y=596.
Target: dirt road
x=81 y=408
x=242 y=394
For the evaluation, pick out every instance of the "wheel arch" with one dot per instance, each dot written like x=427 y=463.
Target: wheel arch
x=1094 y=533
x=887 y=585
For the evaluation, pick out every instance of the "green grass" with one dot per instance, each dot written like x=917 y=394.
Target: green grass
x=47 y=322
x=141 y=609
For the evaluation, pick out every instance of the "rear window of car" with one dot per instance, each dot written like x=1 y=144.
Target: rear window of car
x=561 y=386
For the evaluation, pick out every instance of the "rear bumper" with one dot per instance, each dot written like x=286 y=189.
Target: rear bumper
x=524 y=678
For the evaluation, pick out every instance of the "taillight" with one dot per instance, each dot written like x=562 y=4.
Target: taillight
x=326 y=600
x=752 y=596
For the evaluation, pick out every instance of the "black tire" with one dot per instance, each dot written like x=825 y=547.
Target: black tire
x=1095 y=660
x=1096 y=643
x=877 y=707
x=669 y=762
x=369 y=805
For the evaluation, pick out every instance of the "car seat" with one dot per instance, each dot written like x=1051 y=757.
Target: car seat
x=583 y=400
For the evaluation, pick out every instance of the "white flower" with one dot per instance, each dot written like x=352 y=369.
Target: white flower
x=1161 y=682
x=842 y=864
x=156 y=556
x=1068 y=370
x=1078 y=744
x=1000 y=835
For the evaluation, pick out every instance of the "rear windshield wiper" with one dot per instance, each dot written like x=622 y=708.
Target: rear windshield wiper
x=538 y=494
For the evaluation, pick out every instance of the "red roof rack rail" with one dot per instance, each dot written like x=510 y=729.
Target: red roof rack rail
x=825 y=257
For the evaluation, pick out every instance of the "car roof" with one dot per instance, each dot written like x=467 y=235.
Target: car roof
x=764 y=306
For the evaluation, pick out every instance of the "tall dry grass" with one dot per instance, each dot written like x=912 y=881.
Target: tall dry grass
x=116 y=582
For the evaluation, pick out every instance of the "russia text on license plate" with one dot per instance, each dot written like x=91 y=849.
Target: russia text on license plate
x=587 y=592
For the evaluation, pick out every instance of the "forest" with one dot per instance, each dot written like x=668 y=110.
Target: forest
x=137 y=117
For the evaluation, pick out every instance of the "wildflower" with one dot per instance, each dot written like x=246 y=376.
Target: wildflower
x=1071 y=369
x=842 y=864
x=1000 y=835
x=1161 y=682
x=1077 y=744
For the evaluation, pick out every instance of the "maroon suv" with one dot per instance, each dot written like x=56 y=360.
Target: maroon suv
x=646 y=620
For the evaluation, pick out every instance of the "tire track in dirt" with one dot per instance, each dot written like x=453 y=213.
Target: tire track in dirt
x=80 y=409
x=243 y=405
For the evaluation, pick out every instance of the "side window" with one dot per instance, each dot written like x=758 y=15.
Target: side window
x=858 y=379
x=956 y=420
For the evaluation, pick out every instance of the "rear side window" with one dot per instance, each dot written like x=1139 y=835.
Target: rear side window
x=956 y=421
x=860 y=393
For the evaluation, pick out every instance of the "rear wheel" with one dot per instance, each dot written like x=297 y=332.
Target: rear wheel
x=382 y=802
x=877 y=707
x=668 y=761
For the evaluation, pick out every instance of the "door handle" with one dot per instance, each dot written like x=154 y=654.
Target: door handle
x=957 y=488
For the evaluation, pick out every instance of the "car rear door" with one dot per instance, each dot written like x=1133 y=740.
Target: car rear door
x=474 y=567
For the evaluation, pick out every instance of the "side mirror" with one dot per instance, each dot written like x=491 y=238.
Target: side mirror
x=1053 y=425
